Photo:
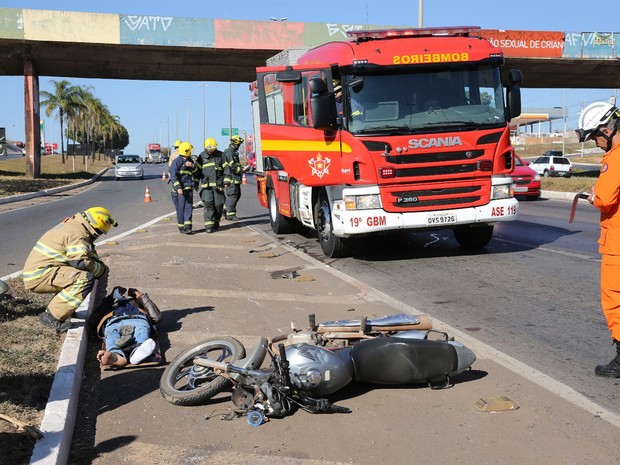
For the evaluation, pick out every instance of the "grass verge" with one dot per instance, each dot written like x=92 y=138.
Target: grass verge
x=28 y=358
x=54 y=173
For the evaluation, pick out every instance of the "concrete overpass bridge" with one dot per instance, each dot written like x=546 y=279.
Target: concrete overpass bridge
x=37 y=43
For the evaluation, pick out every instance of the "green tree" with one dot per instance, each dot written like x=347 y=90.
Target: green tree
x=62 y=100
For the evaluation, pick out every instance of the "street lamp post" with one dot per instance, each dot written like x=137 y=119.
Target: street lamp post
x=204 y=115
x=187 y=99
x=230 y=109
x=420 y=13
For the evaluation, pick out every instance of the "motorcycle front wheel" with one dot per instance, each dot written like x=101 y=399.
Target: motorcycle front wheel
x=185 y=383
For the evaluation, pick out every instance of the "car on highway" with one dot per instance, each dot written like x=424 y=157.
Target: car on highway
x=128 y=167
x=553 y=163
x=526 y=180
x=251 y=161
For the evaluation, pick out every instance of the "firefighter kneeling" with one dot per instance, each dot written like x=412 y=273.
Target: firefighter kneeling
x=64 y=262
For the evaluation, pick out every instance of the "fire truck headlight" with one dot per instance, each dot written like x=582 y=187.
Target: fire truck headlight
x=503 y=191
x=362 y=202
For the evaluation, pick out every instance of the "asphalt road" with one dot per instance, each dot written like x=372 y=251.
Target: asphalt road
x=24 y=222
x=533 y=293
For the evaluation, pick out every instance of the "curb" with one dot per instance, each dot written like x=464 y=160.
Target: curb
x=60 y=413
x=557 y=195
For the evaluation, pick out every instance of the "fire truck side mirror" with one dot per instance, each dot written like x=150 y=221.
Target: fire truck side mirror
x=318 y=86
x=513 y=94
x=515 y=76
x=322 y=105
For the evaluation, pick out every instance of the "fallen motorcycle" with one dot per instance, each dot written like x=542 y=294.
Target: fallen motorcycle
x=308 y=365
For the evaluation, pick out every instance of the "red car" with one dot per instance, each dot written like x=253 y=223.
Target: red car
x=526 y=180
x=251 y=157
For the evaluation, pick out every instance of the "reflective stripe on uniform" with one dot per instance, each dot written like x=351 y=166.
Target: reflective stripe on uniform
x=50 y=253
x=36 y=274
x=73 y=295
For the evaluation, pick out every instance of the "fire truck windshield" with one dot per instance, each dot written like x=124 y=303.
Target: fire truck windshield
x=425 y=101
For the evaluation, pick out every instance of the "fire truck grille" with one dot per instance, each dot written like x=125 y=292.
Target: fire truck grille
x=421 y=198
x=434 y=157
x=436 y=170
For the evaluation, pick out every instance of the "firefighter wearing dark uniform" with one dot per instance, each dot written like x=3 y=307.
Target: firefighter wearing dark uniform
x=182 y=171
x=233 y=175
x=210 y=176
x=64 y=262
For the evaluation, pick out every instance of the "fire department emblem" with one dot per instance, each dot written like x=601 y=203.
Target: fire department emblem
x=320 y=165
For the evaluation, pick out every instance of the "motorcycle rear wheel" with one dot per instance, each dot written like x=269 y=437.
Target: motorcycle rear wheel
x=185 y=383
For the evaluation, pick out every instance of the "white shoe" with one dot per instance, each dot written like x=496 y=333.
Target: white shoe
x=143 y=351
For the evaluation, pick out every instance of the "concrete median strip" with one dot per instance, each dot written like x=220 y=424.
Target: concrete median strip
x=60 y=413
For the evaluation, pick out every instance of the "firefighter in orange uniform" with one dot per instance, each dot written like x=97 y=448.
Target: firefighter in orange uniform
x=600 y=122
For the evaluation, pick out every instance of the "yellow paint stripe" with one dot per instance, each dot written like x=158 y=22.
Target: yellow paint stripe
x=304 y=146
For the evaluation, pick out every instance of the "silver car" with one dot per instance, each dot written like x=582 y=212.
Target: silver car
x=128 y=166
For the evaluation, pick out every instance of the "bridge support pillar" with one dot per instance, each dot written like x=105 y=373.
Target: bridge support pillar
x=33 y=121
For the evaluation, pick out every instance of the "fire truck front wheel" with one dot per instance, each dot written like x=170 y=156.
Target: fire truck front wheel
x=473 y=237
x=280 y=224
x=332 y=245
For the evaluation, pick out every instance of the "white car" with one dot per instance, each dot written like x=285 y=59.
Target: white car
x=128 y=166
x=552 y=163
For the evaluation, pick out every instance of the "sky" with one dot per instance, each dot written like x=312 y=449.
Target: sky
x=154 y=111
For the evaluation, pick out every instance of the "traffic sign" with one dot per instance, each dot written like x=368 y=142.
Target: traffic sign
x=226 y=131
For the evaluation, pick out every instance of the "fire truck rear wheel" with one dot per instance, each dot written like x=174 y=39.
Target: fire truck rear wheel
x=280 y=224
x=473 y=237
x=332 y=245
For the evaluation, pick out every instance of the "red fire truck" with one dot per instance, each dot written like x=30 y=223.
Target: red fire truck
x=416 y=136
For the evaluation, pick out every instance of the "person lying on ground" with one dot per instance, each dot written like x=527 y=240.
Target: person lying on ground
x=126 y=327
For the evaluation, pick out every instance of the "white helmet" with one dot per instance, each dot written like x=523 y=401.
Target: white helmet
x=594 y=116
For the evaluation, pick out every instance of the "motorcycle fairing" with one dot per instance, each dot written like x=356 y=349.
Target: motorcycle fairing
x=394 y=360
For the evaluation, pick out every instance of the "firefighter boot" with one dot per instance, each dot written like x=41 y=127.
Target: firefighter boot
x=612 y=369
x=49 y=320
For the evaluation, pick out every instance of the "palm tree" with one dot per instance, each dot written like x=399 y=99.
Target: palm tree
x=61 y=100
x=85 y=115
x=109 y=126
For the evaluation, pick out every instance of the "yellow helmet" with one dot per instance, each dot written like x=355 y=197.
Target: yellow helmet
x=210 y=144
x=177 y=143
x=185 y=149
x=237 y=140
x=100 y=219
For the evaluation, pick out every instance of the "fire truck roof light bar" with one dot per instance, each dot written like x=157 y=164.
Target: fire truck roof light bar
x=416 y=32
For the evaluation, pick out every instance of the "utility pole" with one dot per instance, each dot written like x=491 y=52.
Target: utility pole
x=230 y=108
x=187 y=99
x=204 y=115
x=177 y=131
x=420 y=13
